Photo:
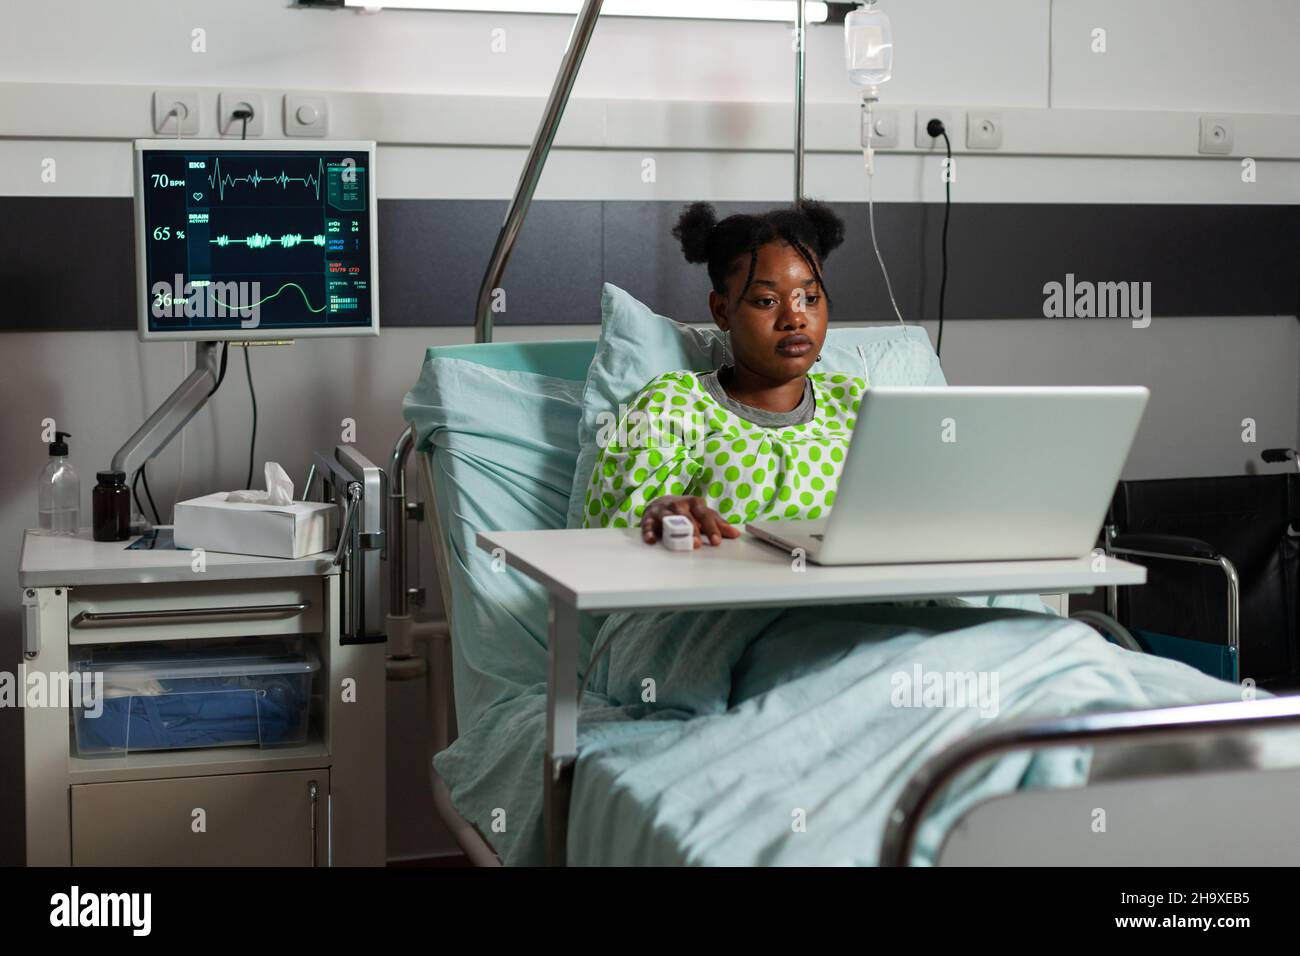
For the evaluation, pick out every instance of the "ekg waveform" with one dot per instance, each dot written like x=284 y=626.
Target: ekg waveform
x=262 y=241
x=287 y=285
x=219 y=180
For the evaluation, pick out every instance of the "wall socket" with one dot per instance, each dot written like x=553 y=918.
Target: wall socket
x=923 y=139
x=228 y=101
x=1216 y=135
x=983 y=131
x=164 y=124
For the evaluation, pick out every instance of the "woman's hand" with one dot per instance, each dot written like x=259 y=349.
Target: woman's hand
x=709 y=525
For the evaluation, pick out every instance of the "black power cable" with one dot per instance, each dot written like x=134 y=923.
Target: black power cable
x=144 y=481
x=936 y=128
x=245 y=114
x=221 y=372
x=141 y=475
x=135 y=493
x=252 y=395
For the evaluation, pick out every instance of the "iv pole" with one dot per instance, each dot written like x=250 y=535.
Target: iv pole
x=801 y=30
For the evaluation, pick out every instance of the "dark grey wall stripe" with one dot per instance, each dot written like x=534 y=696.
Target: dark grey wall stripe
x=68 y=263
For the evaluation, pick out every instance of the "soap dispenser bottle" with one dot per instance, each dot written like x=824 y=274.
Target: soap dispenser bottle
x=59 y=493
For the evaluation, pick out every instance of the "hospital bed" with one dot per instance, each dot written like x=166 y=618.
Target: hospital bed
x=1160 y=775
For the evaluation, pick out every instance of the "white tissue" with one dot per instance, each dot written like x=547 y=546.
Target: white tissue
x=279 y=489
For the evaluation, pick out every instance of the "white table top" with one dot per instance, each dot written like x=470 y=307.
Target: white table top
x=67 y=561
x=611 y=569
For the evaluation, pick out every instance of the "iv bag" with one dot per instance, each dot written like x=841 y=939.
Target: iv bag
x=868 y=47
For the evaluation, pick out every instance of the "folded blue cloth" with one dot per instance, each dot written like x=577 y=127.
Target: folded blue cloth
x=213 y=712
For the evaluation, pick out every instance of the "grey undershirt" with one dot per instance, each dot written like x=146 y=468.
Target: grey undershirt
x=802 y=413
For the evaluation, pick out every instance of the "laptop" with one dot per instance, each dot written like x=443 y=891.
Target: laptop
x=938 y=474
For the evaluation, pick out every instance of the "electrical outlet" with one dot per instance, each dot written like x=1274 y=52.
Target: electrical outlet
x=884 y=129
x=1216 y=134
x=923 y=139
x=229 y=102
x=306 y=115
x=186 y=102
x=983 y=130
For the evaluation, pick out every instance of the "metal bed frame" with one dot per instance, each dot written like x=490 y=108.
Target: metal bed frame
x=1175 y=725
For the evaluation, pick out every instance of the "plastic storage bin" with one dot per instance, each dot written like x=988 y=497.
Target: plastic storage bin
x=168 y=698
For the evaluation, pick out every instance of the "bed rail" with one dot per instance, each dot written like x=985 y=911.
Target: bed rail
x=1169 y=723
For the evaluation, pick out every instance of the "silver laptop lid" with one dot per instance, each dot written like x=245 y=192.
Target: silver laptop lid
x=980 y=473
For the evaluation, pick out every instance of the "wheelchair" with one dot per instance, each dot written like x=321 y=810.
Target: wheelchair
x=1223 y=563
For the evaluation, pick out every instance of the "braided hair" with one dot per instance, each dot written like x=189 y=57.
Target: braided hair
x=809 y=227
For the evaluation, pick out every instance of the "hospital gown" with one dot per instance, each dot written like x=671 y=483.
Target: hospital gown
x=676 y=439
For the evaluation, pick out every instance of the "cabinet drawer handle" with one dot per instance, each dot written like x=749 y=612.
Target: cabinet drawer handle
x=186 y=615
x=312 y=791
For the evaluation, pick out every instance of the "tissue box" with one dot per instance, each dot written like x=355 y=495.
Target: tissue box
x=273 y=531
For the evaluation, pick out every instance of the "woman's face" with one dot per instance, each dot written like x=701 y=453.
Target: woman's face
x=778 y=327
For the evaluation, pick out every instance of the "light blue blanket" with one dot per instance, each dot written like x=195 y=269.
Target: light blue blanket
x=772 y=737
x=784 y=737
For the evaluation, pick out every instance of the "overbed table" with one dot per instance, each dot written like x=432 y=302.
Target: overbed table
x=603 y=570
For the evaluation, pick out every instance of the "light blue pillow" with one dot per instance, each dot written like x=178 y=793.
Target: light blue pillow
x=636 y=345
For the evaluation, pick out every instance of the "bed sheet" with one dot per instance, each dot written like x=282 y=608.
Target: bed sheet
x=784 y=737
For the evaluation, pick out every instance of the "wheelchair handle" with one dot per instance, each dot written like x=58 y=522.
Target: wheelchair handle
x=1277 y=456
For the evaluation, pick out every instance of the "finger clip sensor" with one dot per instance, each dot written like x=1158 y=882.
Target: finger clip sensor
x=678 y=533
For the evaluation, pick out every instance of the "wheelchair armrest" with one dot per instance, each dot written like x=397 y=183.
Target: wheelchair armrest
x=1171 y=544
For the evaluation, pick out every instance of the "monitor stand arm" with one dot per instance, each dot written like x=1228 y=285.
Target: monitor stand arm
x=171 y=416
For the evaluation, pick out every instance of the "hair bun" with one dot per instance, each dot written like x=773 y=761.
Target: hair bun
x=693 y=229
x=830 y=227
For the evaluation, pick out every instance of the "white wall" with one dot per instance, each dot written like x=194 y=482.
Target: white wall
x=1198 y=55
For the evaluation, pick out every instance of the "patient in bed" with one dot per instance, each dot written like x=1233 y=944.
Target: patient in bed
x=765 y=435
x=714 y=736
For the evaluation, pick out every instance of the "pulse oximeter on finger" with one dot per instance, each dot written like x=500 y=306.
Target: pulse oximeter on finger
x=678 y=533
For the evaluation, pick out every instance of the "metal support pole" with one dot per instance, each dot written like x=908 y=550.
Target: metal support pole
x=532 y=171
x=801 y=28
x=395 y=552
x=561 y=727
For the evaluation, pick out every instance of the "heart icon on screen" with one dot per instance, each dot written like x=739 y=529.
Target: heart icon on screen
x=198 y=196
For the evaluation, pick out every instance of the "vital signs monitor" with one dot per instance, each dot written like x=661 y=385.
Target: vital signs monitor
x=241 y=241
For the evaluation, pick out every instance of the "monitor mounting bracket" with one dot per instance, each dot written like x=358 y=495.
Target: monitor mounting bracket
x=172 y=415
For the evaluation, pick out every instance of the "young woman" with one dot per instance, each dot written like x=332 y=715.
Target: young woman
x=798 y=707
x=762 y=436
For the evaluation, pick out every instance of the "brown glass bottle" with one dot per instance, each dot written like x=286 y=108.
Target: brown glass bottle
x=110 y=504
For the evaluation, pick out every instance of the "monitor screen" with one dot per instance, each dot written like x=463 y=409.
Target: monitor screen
x=255 y=241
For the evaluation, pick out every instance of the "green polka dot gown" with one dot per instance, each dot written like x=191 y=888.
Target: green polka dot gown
x=675 y=439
